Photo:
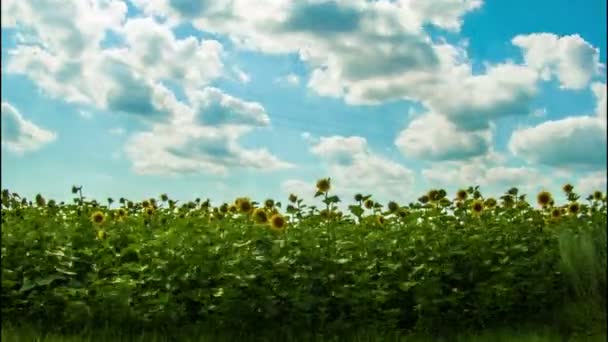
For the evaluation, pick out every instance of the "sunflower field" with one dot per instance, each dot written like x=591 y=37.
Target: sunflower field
x=448 y=262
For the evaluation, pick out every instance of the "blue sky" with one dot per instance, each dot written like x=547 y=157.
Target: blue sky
x=231 y=98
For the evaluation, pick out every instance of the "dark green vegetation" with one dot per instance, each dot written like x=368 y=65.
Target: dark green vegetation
x=431 y=268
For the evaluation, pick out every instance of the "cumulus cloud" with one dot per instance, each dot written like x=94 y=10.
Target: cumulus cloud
x=354 y=167
x=599 y=90
x=204 y=139
x=214 y=107
x=570 y=142
x=572 y=60
x=591 y=182
x=21 y=135
x=433 y=137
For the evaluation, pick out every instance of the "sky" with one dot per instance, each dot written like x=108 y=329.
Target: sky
x=227 y=98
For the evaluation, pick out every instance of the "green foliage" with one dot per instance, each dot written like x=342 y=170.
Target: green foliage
x=434 y=269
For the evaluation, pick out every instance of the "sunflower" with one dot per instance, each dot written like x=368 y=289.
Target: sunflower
x=260 y=216
x=121 y=213
x=149 y=211
x=568 y=188
x=424 y=199
x=244 y=205
x=278 y=222
x=269 y=203
x=224 y=208
x=544 y=198
x=369 y=204
x=145 y=204
x=164 y=197
x=490 y=202
x=574 y=208
x=556 y=213
x=433 y=195
x=392 y=206
x=293 y=198
x=380 y=220
x=462 y=195
x=358 y=197
x=597 y=195
x=477 y=207
x=402 y=213
x=323 y=185
x=324 y=213
x=233 y=209
x=40 y=200
x=98 y=217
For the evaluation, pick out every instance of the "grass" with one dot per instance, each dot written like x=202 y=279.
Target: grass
x=23 y=334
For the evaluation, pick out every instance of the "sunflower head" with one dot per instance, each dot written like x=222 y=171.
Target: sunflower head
x=260 y=216
x=598 y=195
x=233 y=209
x=244 y=205
x=121 y=212
x=269 y=203
x=40 y=201
x=98 y=217
x=433 y=195
x=224 y=208
x=145 y=204
x=164 y=197
x=323 y=185
x=461 y=195
x=568 y=188
x=424 y=199
x=324 y=213
x=358 y=197
x=380 y=220
x=574 y=208
x=278 y=222
x=556 y=213
x=392 y=206
x=402 y=213
x=369 y=204
x=477 y=207
x=149 y=211
x=293 y=198
x=544 y=198
x=490 y=202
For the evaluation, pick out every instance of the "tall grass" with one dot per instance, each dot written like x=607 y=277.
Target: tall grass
x=583 y=264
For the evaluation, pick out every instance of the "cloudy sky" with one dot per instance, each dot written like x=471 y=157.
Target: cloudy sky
x=260 y=98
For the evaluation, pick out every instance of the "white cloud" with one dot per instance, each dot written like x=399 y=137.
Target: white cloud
x=599 y=90
x=289 y=79
x=242 y=76
x=590 y=183
x=354 y=167
x=433 y=137
x=573 y=141
x=20 y=135
x=569 y=58
x=204 y=139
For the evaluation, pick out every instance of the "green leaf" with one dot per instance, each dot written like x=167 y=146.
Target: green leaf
x=48 y=280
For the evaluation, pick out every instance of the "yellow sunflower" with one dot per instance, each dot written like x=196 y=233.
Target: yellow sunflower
x=98 y=217
x=490 y=202
x=462 y=195
x=574 y=208
x=278 y=222
x=568 y=188
x=293 y=198
x=269 y=203
x=477 y=207
x=380 y=220
x=369 y=204
x=244 y=205
x=260 y=216
x=544 y=198
x=598 y=195
x=324 y=184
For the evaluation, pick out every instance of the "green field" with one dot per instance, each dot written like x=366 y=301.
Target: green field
x=457 y=267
